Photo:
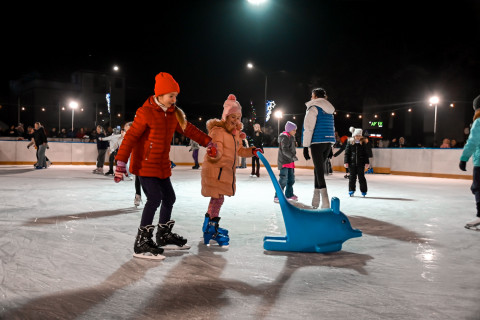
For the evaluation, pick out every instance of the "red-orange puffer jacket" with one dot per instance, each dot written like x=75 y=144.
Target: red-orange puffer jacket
x=218 y=174
x=149 y=137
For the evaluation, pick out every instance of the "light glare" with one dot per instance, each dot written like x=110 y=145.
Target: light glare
x=257 y=2
x=73 y=105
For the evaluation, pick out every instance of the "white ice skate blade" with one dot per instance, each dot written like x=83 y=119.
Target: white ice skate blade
x=471 y=227
x=216 y=245
x=149 y=256
x=175 y=247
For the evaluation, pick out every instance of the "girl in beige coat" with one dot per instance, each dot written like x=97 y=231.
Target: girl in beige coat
x=219 y=166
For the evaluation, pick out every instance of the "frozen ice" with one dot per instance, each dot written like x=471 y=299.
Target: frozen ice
x=66 y=245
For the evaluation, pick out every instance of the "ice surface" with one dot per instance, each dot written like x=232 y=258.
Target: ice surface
x=66 y=244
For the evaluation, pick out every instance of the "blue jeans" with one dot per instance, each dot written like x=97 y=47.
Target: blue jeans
x=41 y=160
x=286 y=181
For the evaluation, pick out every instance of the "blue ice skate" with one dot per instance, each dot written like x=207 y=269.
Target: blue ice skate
x=212 y=233
x=309 y=230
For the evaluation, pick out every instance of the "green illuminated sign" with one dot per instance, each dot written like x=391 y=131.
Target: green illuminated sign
x=377 y=124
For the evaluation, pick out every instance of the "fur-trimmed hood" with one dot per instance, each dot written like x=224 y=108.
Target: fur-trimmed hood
x=212 y=123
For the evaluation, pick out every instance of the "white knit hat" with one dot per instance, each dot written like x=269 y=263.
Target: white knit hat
x=355 y=131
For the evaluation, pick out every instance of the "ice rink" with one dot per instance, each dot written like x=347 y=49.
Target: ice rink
x=66 y=244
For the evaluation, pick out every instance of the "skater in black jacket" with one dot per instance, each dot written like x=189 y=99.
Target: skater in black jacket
x=356 y=160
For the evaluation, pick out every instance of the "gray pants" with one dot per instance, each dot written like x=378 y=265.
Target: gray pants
x=41 y=162
x=101 y=158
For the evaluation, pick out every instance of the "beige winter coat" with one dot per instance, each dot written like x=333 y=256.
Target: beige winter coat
x=218 y=174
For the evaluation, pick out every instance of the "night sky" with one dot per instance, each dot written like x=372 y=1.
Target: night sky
x=364 y=53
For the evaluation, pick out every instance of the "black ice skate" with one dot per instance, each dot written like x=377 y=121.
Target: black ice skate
x=169 y=240
x=145 y=247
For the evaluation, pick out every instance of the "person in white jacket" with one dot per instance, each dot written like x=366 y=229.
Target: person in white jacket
x=318 y=135
x=114 y=140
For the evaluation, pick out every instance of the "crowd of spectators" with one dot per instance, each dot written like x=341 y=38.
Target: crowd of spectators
x=90 y=134
x=85 y=134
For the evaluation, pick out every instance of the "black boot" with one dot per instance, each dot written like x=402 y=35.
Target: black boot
x=165 y=236
x=144 y=243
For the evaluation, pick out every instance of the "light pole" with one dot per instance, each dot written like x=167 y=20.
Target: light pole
x=59 y=114
x=250 y=66
x=73 y=105
x=434 y=101
x=115 y=68
x=278 y=114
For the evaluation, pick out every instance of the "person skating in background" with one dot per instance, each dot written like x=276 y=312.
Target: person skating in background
x=356 y=160
x=41 y=143
x=472 y=149
x=219 y=167
x=114 y=142
x=243 y=160
x=138 y=187
x=287 y=155
x=194 y=147
x=369 y=147
x=148 y=143
x=318 y=135
x=258 y=139
x=341 y=144
x=102 y=147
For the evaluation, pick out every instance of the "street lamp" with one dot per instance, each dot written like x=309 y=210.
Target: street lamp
x=278 y=114
x=251 y=66
x=73 y=105
x=108 y=96
x=434 y=101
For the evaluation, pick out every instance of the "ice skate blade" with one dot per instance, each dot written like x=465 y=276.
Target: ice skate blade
x=175 y=247
x=474 y=228
x=216 y=245
x=148 y=256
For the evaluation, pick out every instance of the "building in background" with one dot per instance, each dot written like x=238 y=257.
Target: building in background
x=100 y=98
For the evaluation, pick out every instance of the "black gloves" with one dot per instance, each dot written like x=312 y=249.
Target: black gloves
x=305 y=153
x=463 y=165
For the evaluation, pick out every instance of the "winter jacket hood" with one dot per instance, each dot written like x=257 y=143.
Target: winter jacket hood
x=212 y=123
x=322 y=103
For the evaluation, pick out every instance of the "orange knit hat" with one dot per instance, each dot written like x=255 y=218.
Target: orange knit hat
x=164 y=83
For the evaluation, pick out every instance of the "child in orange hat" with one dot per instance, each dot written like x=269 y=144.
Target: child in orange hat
x=219 y=166
x=148 y=143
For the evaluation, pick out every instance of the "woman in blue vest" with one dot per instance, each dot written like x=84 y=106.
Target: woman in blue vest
x=318 y=135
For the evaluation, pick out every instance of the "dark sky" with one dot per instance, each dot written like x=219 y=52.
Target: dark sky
x=362 y=52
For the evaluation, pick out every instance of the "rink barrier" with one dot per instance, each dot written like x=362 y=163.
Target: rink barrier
x=422 y=162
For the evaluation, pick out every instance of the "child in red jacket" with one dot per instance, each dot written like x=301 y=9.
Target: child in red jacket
x=148 y=142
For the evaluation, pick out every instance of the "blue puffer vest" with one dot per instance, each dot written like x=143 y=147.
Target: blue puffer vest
x=324 y=128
